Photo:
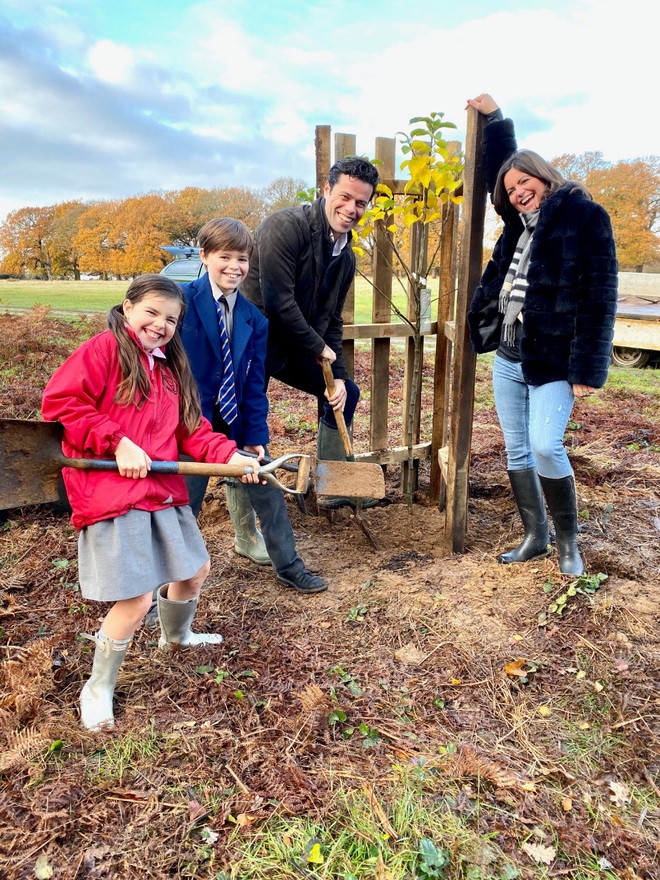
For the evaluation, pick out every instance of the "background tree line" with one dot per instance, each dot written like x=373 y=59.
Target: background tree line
x=122 y=238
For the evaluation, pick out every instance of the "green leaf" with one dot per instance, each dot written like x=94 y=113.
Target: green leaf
x=433 y=860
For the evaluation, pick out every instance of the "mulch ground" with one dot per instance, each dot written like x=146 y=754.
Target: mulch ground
x=545 y=721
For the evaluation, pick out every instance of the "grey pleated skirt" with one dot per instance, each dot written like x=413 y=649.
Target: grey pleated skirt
x=133 y=554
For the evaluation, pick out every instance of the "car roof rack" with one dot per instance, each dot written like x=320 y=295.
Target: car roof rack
x=181 y=253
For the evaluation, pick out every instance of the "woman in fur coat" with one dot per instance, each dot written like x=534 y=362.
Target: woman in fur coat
x=546 y=304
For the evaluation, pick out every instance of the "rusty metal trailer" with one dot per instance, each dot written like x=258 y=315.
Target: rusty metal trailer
x=637 y=326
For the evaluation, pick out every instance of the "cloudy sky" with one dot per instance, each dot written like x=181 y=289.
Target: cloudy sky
x=109 y=99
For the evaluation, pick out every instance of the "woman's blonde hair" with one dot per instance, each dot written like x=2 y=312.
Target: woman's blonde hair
x=135 y=387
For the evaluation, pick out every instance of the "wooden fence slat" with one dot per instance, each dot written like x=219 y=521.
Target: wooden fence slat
x=381 y=311
x=464 y=359
x=384 y=331
x=395 y=454
x=345 y=145
x=443 y=347
x=410 y=434
x=323 y=163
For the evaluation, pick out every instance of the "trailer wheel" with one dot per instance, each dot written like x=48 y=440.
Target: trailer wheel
x=630 y=357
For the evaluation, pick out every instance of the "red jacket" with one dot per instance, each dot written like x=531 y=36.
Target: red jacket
x=80 y=395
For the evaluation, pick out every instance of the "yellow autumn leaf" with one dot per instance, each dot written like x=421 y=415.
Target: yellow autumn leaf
x=598 y=687
x=567 y=804
x=581 y=674
x=454 y=681
x=544 y=711
x=315 y=855
x=516 y=667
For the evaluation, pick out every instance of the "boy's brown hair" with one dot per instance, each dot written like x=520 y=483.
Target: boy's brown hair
x=225 y=234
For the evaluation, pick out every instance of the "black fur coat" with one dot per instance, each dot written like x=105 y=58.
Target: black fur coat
x=570 y=305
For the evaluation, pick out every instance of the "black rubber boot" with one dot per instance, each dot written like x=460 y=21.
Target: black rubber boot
x=529 y=499
x=562 y=504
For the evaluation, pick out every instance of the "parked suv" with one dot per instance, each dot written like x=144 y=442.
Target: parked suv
x=186 y=265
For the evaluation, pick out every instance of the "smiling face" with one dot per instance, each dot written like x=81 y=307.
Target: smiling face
x=346 y=202
x=227 y=268
x=524 y=191
x=153 y=319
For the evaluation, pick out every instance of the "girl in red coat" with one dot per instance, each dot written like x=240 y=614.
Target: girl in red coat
x=128 y=393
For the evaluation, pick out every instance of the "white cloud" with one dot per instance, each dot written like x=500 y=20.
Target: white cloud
x=205 y=97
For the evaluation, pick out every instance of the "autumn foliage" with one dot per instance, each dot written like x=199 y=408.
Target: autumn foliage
x=123 y=238
x=630 y=193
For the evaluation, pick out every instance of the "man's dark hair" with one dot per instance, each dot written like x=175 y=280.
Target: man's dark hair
x=354 y=166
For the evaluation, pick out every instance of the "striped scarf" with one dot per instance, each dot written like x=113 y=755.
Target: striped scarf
x=512 y=295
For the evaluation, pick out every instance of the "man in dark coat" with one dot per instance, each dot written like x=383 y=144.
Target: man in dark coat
x=299 y=276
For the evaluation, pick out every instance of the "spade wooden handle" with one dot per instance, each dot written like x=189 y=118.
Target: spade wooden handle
x=339 y=415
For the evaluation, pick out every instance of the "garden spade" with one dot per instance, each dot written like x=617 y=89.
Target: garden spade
x=361 y=478
x=31 y=463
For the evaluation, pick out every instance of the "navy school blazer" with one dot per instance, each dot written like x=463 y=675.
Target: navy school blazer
x=201 y=340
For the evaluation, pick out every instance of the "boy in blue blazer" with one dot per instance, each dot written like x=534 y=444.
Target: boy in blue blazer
x=215 y=306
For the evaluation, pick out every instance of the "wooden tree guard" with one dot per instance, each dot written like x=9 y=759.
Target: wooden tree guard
x=449 y=447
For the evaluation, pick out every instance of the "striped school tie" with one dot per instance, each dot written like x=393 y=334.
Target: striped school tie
x=227 y=396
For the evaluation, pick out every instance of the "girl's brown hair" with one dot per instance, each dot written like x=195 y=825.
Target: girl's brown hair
x=530 y=163
x=135 y=387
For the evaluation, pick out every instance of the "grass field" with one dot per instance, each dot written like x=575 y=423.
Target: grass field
x=99 y=296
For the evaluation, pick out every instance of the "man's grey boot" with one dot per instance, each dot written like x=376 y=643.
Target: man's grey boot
x=96 y=696
x=175 y=617
x=562 y=504
x=249 y=540
x=528 y=495
x=329 y=447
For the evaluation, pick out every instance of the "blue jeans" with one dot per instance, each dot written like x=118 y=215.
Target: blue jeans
x=533 y=419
